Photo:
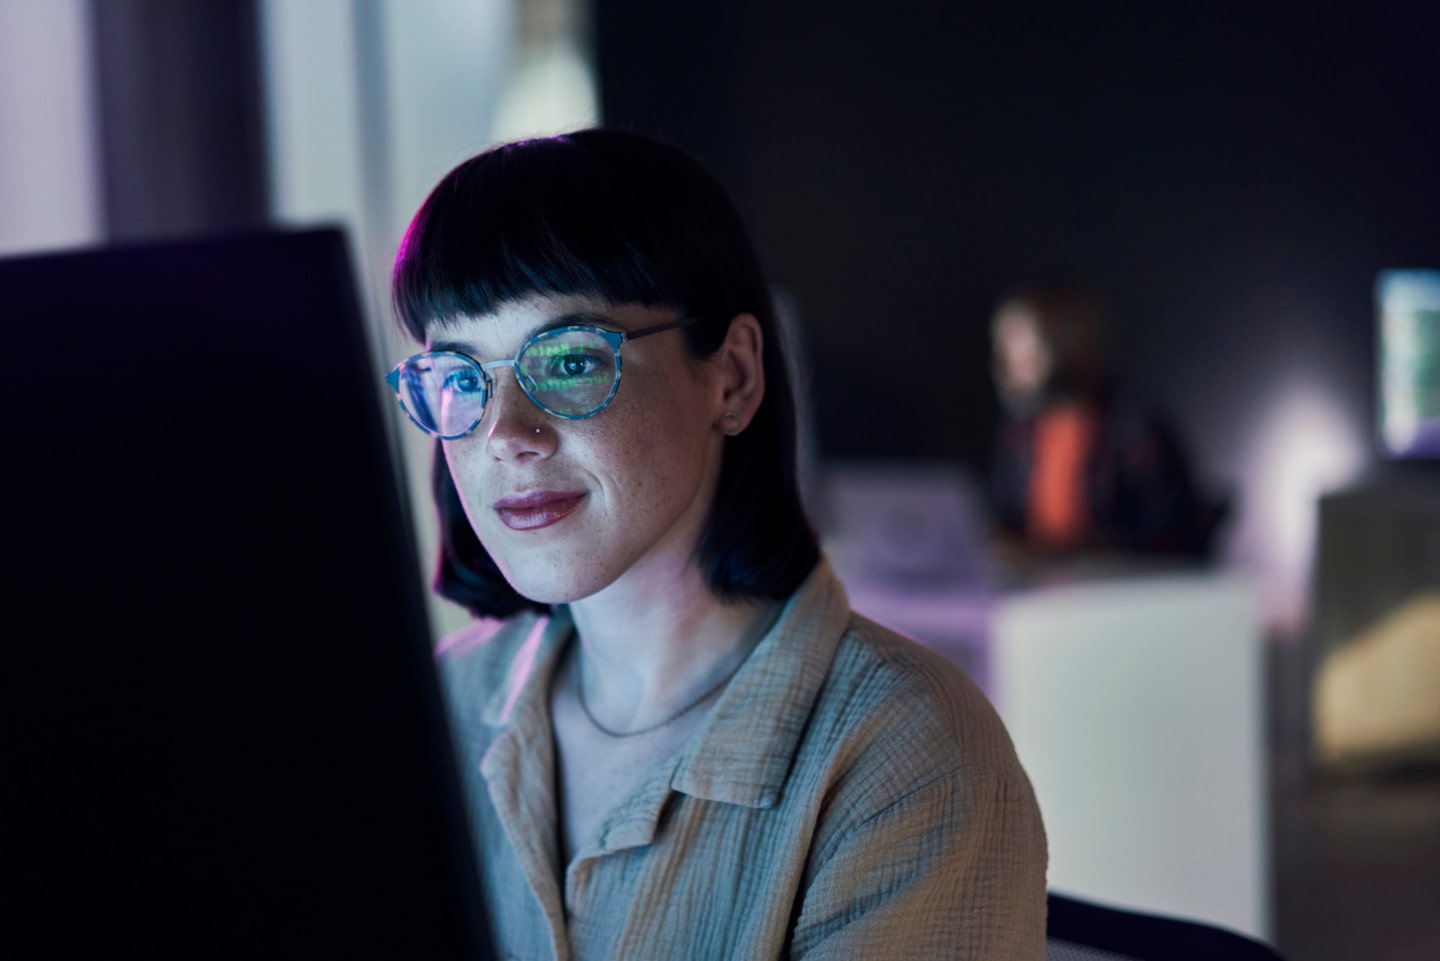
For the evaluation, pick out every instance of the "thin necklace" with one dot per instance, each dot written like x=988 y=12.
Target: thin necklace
x=580 y=696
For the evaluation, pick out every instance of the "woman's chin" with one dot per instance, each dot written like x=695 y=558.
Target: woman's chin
x=551 y=586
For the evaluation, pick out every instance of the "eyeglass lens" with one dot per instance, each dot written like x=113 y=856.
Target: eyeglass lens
x=569 y=373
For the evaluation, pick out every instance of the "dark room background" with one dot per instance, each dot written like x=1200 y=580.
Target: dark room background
x=1233 y=176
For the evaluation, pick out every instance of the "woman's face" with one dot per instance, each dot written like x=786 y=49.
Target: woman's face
x=569 y=507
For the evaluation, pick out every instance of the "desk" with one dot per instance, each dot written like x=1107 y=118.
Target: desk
x=1136 y=708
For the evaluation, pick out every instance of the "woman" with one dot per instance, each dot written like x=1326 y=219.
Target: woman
x=678 y=742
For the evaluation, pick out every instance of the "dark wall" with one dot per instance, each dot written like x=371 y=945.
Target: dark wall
x=1233 y=177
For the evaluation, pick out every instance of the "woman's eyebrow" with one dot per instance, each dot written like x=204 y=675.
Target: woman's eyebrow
x=579 y=318
x=452 y=346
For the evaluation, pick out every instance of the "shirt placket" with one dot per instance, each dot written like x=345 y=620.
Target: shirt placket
x=594 y=882
x=518 y=771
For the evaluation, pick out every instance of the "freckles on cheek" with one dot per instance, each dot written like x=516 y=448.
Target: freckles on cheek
x=464 y=487
x=655 y=465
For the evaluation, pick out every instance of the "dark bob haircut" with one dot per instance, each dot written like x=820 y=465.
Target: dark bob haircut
x=628 y=219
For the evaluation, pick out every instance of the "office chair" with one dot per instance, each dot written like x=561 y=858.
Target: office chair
x=1080 y=930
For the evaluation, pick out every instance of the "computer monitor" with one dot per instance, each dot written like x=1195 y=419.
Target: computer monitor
x=1408 y=311
x=224 y=734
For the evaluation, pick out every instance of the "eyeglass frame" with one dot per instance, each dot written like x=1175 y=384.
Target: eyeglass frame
x=615 y=338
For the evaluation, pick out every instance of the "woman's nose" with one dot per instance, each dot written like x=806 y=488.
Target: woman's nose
x=517 y=428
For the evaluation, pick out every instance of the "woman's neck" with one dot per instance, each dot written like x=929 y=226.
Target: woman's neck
x=647 y=651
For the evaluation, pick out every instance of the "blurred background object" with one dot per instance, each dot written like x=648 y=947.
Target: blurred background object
x=1243 y=184
x=1376 y=644
x=1137 y=707
x=50 y=163
x=1409 y=359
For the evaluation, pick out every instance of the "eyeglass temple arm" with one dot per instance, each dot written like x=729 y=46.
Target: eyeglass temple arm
x=658 y=328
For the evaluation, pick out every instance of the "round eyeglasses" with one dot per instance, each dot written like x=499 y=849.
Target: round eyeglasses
x=568 y=372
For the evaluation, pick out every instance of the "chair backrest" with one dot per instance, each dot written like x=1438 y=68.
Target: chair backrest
x=1079 y=930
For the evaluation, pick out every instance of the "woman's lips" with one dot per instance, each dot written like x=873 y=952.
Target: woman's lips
x=532 y=511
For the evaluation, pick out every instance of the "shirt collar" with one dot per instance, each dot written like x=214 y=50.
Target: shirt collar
x=743 y=753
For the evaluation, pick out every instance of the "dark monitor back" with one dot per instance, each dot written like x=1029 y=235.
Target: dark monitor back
x=225 y=737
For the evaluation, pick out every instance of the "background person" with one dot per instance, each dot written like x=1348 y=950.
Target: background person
x=1080 y=464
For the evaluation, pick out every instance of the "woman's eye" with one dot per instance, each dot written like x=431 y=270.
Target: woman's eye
x=575 y=365
x=463 y=381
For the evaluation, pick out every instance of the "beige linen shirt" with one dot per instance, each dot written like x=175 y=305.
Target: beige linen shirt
x=851 y=795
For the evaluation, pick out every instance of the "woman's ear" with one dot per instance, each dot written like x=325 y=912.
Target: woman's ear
x=742 y=374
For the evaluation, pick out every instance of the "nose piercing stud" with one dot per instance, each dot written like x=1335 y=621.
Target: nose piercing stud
x=537 y=430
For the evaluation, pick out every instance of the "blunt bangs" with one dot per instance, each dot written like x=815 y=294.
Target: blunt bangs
x=583 y=215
